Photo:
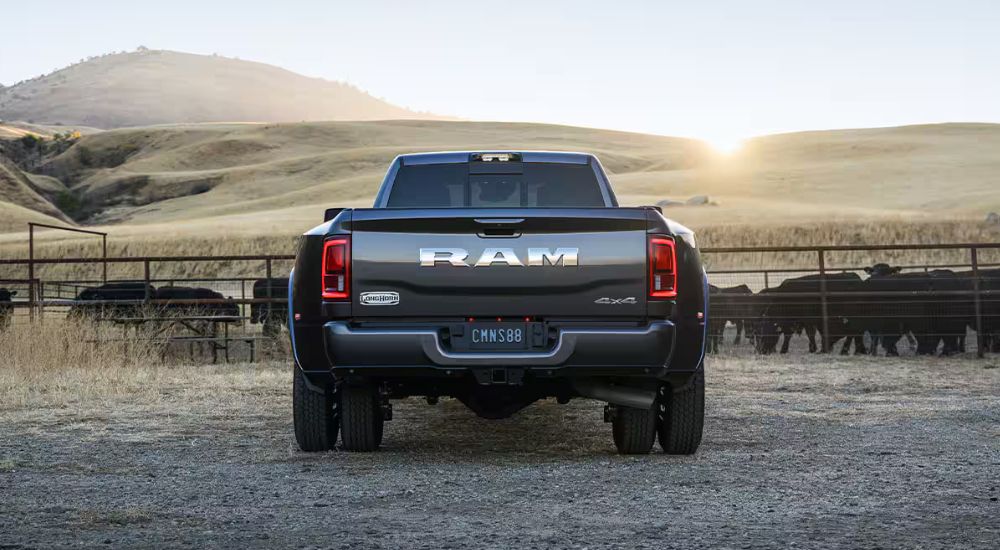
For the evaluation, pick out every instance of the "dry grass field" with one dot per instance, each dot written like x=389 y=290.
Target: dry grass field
x=57 y=364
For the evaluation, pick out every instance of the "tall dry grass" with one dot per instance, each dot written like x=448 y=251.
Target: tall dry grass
x=60 y=360
x=842 y=234
x=56 y=365
x=150 y=245
x=848 y=234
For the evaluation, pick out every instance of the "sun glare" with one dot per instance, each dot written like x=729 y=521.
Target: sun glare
x=726 y=146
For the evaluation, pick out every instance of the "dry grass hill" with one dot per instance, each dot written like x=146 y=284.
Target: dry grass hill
x=191 y=172
x=154 y=86
x=20 y=202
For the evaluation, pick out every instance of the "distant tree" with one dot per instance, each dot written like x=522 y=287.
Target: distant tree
x=142 y=49
x=68 y=136
x=30 y=141
x=69 y=203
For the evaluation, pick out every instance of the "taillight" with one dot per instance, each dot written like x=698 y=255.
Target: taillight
x=662 y=268
x=337 y=269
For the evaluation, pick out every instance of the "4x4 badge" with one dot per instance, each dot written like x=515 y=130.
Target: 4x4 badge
x=616 y=301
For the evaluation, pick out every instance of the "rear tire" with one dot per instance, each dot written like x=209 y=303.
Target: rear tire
x=313 y=416
x=361 y=420
x=682 y=416
x=634 y=430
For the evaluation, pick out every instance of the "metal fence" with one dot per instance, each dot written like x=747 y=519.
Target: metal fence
x=886 y=299
x=56 y=282
x=167 y=297
x=927 y=299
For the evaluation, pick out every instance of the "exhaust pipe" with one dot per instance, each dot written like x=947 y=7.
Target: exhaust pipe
x=619 y=395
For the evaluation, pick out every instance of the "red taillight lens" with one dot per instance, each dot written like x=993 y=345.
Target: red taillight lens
x=337 y=269
x=662 y=268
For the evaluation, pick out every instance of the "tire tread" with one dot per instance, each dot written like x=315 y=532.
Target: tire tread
x=634 y=430
x=312 y=414
x=682 y=418
x=361 y=422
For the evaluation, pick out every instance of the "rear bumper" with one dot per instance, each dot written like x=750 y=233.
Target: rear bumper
x=644 y=350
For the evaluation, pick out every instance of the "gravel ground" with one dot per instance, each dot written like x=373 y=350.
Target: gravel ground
x=812 y=452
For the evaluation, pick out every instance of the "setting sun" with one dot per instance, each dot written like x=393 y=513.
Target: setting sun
x=725 y=145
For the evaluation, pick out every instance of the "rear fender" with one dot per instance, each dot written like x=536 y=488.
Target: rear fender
x=691 y=316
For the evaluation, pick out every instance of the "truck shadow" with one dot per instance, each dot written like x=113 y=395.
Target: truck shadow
x=542 y=431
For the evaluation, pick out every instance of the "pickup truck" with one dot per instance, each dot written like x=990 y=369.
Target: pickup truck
x=498 y=279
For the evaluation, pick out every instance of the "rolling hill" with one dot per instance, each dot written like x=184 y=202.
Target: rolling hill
x=185 y=172
x=20 y=202
x=155 y=87
x=277 y=178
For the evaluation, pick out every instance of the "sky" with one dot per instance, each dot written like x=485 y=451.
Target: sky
x=715 y=70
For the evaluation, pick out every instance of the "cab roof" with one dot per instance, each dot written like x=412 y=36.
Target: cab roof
x=458 y=157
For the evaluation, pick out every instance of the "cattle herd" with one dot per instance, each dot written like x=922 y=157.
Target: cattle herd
x=135 y=300
x=931 y=310
x=128 y=300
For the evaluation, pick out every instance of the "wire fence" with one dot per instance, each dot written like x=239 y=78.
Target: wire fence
x=165 y=299
x=865 y=299
x=855 y=299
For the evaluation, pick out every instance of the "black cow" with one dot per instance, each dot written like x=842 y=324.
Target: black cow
x=907 y=305
x=796 y=306
x=989 y=299
x=119 y=300
x=989 y=281
x=728 y=305
x=6 y=308
x=991 y=310
x=277 y=315
x=175 y=300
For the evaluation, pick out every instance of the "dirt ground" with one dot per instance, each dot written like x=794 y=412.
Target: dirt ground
x=813 y=452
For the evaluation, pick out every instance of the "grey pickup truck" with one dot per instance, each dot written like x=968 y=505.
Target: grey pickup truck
x=498 y=279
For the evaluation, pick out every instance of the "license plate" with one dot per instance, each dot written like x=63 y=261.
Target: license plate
x=496 y=336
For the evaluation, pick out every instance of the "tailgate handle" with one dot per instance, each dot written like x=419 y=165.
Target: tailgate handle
x=498 y=233
x=494 y=228
x=499 y=221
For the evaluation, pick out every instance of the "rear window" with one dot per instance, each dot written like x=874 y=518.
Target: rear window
x=459 y=185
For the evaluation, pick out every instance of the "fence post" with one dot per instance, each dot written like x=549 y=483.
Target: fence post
x=104 y=259
x=825 y=340
x=31 y=272
x=980 y=348
x=243 y=302
x=145 y=277
x=765 y=280
x=267 y=266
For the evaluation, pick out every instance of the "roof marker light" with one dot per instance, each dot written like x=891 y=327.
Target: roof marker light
x=496 y=157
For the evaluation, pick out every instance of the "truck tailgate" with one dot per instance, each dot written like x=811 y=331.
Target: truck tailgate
x=499 y=262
